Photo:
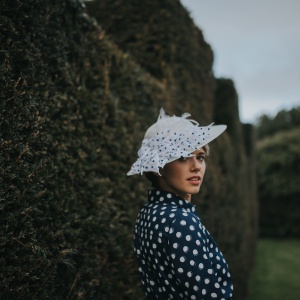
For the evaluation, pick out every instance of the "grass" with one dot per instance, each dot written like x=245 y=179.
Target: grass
x=276 y=274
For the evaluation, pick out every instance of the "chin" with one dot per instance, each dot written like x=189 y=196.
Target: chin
x=195 y=191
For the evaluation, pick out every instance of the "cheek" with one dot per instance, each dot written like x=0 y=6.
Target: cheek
x=203 y=169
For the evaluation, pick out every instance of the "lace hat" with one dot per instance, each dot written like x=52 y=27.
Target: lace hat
x=171 y=138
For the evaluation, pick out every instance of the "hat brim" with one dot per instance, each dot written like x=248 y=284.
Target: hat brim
x=215 y=131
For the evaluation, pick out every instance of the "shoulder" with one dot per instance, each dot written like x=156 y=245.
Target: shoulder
x=186 y=227
x=185 y=218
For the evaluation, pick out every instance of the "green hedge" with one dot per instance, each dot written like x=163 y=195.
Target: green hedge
x=66 y=144
x=74 y=105
x=279 y=184
x=163 y=39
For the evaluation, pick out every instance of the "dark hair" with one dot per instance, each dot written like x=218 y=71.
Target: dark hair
x=154 y=178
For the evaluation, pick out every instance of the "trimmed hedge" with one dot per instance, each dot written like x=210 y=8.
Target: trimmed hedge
x=279 y=184
x=75 y=103
x=66 y=144
x=163 y=39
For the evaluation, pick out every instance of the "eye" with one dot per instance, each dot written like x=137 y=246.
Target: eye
x=183 y=158
x=201 y=157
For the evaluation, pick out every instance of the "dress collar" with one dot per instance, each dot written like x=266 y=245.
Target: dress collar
x=160 y=196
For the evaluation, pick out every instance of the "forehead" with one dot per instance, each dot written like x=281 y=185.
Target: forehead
x=199 y=151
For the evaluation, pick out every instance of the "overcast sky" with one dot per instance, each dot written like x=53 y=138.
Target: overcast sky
x=257 y=44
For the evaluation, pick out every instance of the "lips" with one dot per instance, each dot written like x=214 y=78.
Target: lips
x=194 y=180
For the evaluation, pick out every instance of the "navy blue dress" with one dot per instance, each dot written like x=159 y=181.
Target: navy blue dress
x=176 y=256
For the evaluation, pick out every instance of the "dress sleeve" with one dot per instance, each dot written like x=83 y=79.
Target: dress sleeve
x=191 y=262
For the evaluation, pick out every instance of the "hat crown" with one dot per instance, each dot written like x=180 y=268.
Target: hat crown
x=168 y=124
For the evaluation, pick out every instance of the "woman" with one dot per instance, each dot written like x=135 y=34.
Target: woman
x=176 y=255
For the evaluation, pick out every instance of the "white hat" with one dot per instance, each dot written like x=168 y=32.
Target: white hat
x=171 y=138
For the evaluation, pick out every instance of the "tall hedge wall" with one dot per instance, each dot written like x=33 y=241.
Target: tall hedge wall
x=162 y=38
x=74 y=105
x=72 y=109
x=279 y=184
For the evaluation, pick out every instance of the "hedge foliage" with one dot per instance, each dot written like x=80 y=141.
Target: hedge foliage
x=162 y=38
x=279 y=184
x=283 y=120
x=75 y=102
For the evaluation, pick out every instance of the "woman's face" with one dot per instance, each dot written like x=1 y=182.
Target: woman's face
x=184 y=176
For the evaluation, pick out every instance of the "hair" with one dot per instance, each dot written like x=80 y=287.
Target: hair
x=154 y=178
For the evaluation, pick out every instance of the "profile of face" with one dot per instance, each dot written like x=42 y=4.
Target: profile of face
x=184 y=176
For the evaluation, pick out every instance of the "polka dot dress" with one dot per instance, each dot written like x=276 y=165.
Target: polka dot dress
x=176 y=256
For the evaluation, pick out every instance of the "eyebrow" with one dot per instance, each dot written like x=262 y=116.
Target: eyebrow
x=201 y=152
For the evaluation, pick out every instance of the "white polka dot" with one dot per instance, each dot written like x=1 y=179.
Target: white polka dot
x=189 y=274
x=192 y=263
x=169 y=195
x=182 y=259
x=178 y=234
x=182 y=223
x=188 y=237
x=217 y=285
x=192 y=228
x=163 y=220
x=185 y=249
x=152 y=282
x=209 y=271
x=175 y=245
x=207 y=281
x=195 y=252
x=214 y=295
x=187 y=284
x=204 y=292
x=196 y=288
x=201 y=266
x=193 y=297
x=180 y=270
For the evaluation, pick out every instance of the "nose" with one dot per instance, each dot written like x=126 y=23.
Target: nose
x=195 y=164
